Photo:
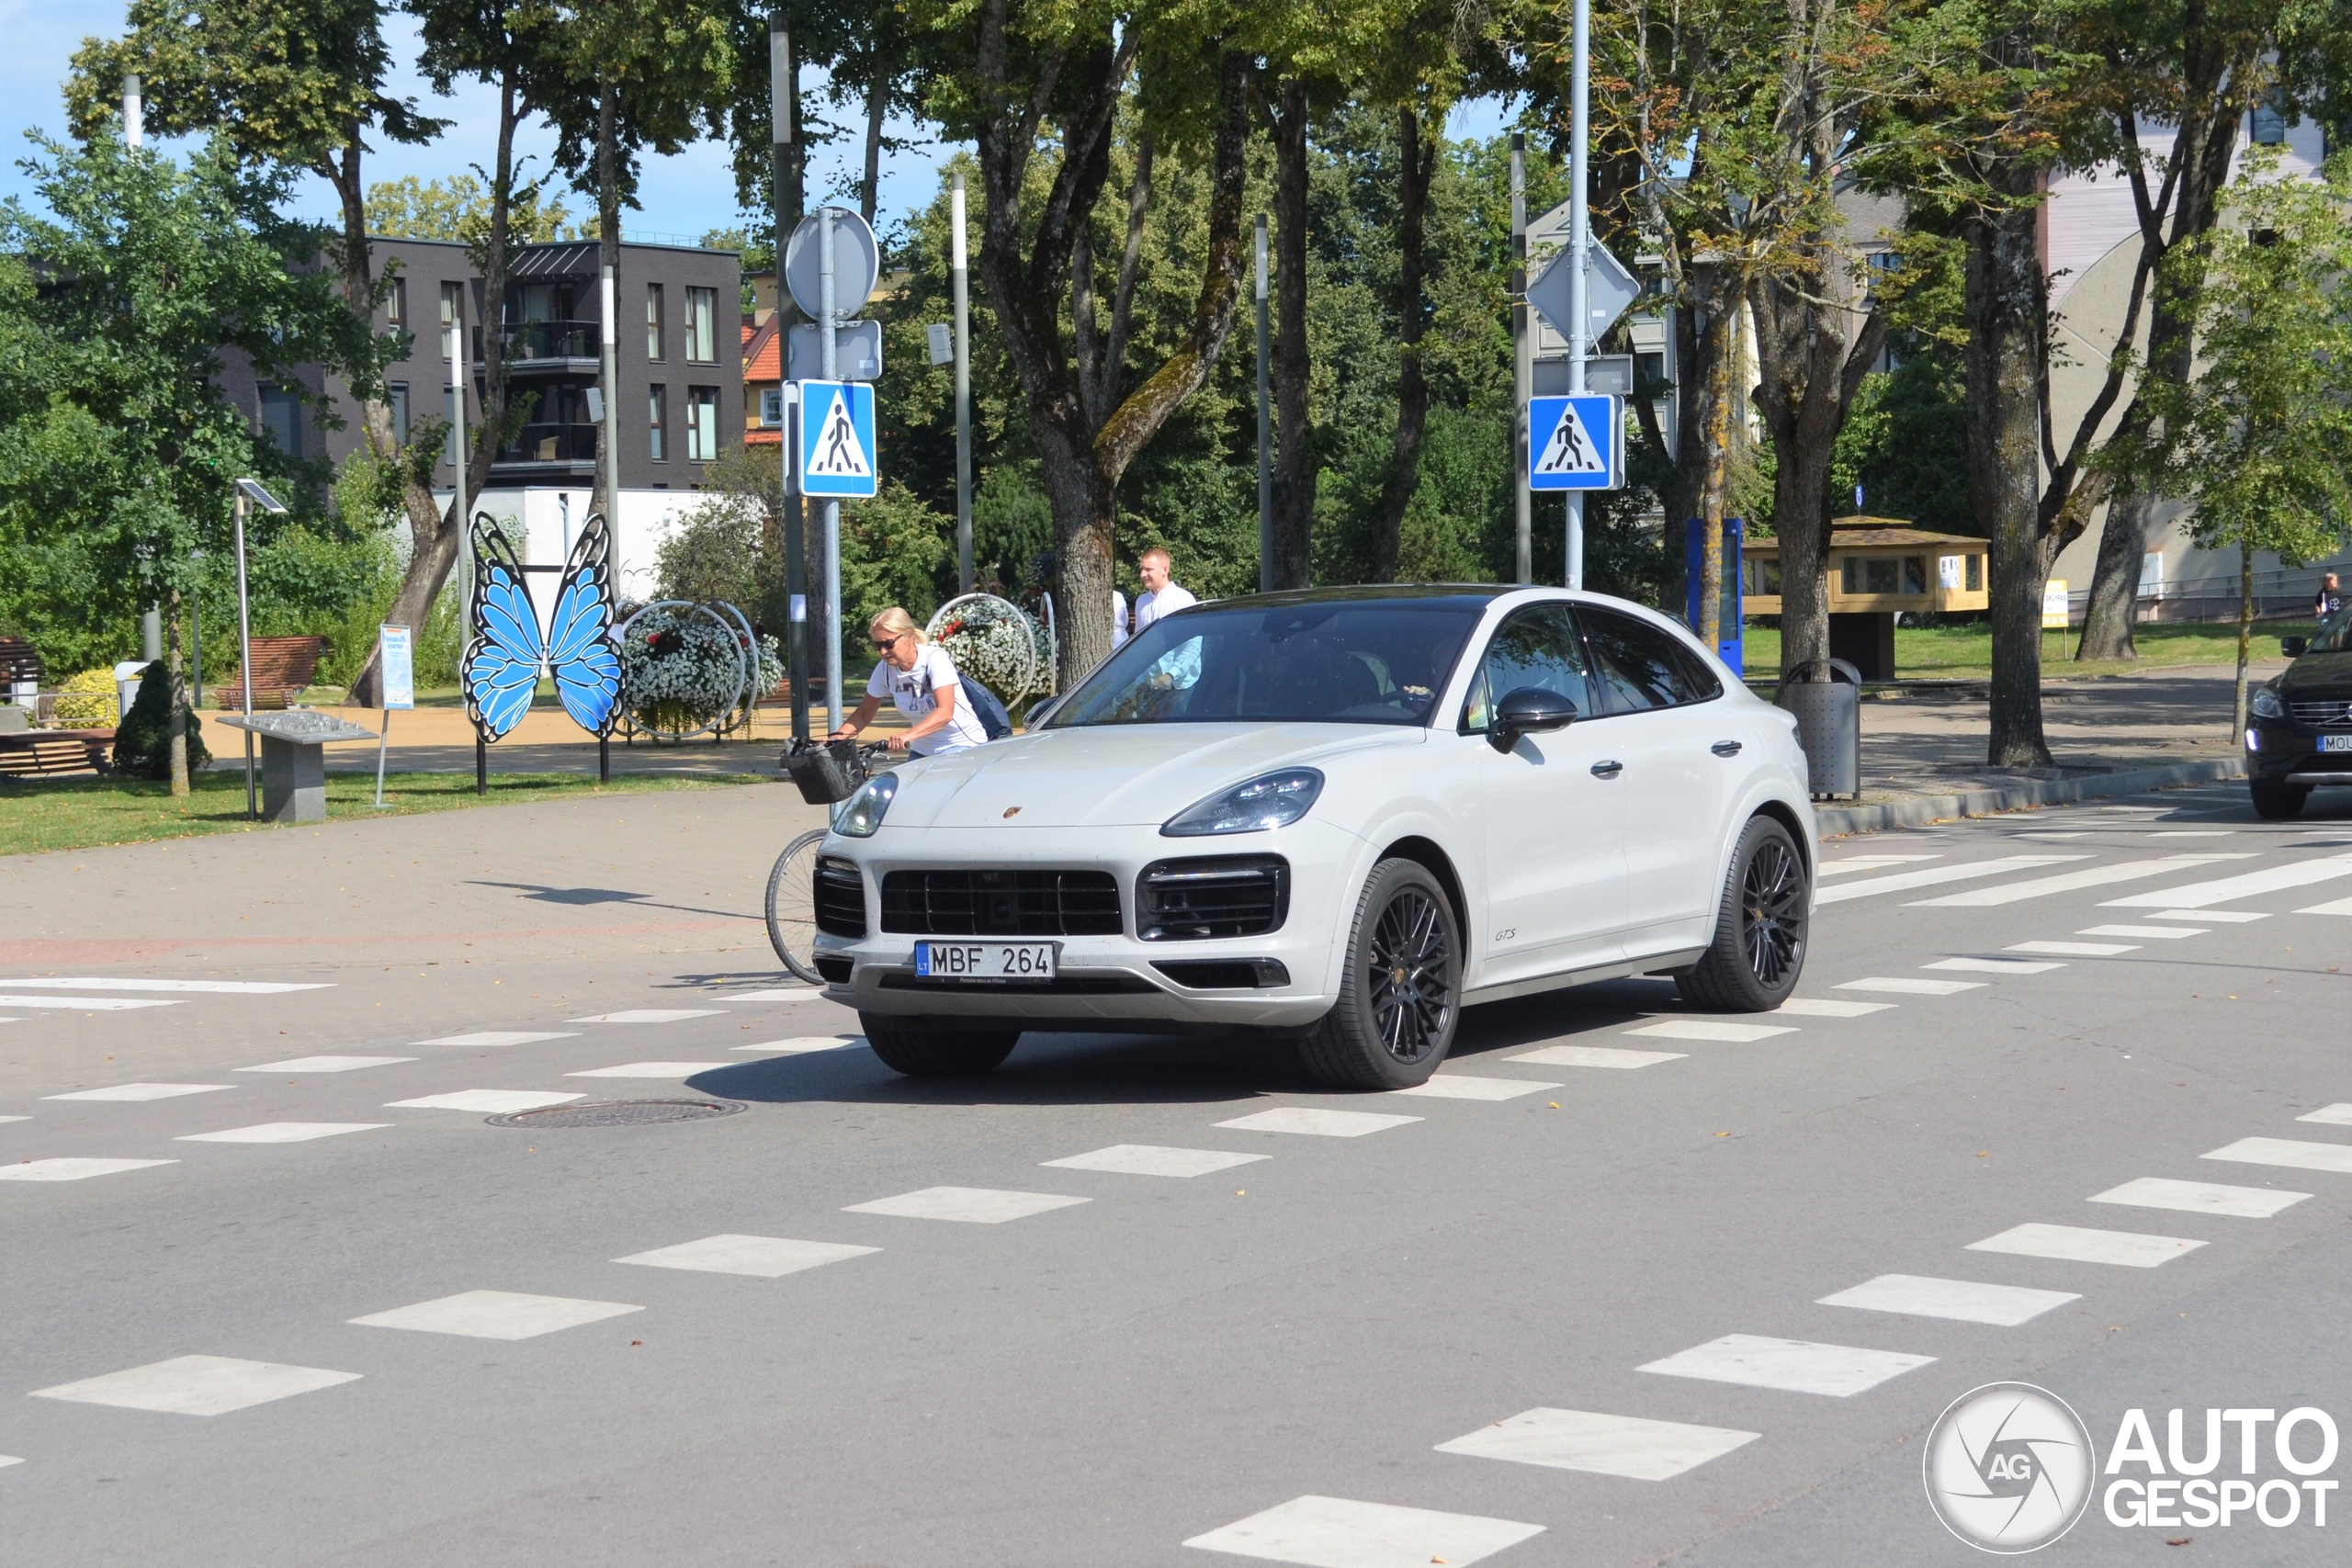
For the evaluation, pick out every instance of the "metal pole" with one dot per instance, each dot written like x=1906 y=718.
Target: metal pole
x=196 y=628
x=457 y=407
x=961 y=278
x=609 y=371
x=246 y=656
x=1265 y=432
x=828 y=312
x=784 y=85
x=383 y=742
x=1522 y=371
x=1579 y=244
x=151 y=619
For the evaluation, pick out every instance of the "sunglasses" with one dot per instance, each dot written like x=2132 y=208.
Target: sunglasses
x=885 y=644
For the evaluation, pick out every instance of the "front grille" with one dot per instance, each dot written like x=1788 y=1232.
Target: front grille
x=1220 y=896
x=1000 y=903
x=839 y=896
x=2322 y=712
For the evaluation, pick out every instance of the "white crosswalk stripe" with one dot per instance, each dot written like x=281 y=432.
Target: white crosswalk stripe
x=1335 y=1532
x=85 y=1004
x=2073 y=948
x=224 y=987
x=1829 y=1007
x=2294 y=1153
x=1595 y=1057
x=1904 y=984
x=2229 y=889
x=1709 y=1029
x=1963 y=1301
x=1630 y=1446
x=1798 y=1366
x=1905 y=881
x=2080 y=1243
x=2151 y=933
x=2199 y=1198
x=2210 y=916
x=2069 y=882
x=1993 y=965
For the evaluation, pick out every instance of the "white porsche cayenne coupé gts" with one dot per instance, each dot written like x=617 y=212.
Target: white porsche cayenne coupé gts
x=1336 y=817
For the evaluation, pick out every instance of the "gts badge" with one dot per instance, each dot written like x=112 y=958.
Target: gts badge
x=1506 y=935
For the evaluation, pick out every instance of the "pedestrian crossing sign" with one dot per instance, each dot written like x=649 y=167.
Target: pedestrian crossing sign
x=836 y=438
x=1575 y=443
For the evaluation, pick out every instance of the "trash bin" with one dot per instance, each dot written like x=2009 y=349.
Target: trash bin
x=1829 y=723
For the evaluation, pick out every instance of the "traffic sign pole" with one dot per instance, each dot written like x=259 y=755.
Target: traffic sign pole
x=1579 y=243
x=828 y=315
x=782 y=84
x=961 y=281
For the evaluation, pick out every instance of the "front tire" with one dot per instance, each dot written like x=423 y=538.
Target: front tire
x=2277 y=802
x=1758 y=948
x=1400 y=1000
x=923 y=1053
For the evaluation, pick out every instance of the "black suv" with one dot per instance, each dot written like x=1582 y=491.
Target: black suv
x=2299 y=728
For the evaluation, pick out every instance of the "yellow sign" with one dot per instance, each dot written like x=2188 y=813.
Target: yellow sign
x=2054 y=603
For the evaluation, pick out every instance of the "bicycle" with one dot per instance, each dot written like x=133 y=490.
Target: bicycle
x=830 y=773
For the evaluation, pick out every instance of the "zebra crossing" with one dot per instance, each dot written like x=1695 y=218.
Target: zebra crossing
x=1315 y=1528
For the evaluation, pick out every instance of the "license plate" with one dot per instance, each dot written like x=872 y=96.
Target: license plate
x=985 y=961
x=2335 y=742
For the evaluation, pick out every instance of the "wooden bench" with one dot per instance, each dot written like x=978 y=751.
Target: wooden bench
x=283 y=668
x=33 y=753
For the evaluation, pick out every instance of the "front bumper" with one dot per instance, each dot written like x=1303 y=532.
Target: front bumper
x=1107 y=982
x=2281 y=750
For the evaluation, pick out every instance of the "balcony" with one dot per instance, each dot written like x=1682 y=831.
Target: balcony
x=536 y=444
x=552 y=345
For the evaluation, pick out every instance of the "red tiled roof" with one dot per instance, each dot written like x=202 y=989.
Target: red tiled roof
x=763 y=348
x=764 y=438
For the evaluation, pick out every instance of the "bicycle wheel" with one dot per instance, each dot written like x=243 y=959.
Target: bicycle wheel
x=792 y=906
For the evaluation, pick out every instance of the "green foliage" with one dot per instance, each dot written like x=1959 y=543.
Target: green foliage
x=713 y=552
x=1906 y=443
x=89 y=699
x=143 y=743
x=894 y=550
x=458 y=209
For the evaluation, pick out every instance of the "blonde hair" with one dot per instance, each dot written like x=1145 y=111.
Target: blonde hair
x=897 y=623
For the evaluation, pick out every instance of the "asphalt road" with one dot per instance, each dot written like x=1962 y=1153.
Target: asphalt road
x=1087 y=1363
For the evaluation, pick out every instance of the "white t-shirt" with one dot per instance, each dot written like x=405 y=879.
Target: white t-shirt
x=1118 y=620
x=1151 y=607
x=910 y=692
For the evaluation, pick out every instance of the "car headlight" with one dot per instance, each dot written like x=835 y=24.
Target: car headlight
x=2266 y=704
x=863 y=812
x=1270 y=800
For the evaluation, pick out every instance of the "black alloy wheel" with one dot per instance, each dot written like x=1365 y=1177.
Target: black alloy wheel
x=1772 y=912
x=1394 y=1021
x=1411 y=963
x=1758 y=952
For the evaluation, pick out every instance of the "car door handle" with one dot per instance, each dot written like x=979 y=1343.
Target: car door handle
x=1607 y=769
x=1725 y=747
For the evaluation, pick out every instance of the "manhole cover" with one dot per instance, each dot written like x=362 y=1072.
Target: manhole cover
x=620 y=1113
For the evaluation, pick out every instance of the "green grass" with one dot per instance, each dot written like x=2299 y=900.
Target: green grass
x=1965 y=653
x=83 y=813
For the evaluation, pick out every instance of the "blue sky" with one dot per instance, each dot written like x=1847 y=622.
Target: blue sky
x=683 y=196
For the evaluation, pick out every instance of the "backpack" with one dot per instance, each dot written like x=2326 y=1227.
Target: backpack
x=994 y=721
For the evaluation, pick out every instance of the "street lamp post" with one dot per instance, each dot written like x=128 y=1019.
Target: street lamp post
x=249 y=493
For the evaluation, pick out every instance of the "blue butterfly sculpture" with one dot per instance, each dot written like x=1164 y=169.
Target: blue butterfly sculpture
x=503 y=663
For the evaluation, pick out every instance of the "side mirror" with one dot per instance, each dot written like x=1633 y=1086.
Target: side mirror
x=2294 y=647
x=1528 y=710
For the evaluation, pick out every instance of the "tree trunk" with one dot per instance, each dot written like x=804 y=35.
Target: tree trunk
x=2114 y=582
x=877 y=114
x=1418 y=168
x=1026 y=285
x=1294 y=437
x=1722 y=306
x=179 y=701
x=2003 y=307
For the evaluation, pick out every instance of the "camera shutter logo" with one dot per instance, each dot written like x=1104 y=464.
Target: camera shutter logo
x=2008 y=1468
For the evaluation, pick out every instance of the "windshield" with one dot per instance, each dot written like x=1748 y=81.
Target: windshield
x=2335 y=635
x=1346 y=662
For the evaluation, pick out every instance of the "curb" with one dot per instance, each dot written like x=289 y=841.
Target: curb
x=1837 y=821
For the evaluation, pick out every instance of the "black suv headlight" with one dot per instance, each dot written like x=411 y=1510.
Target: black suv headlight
x=2266 y=704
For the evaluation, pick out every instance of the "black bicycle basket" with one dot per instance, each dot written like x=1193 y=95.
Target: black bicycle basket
x=826 y=771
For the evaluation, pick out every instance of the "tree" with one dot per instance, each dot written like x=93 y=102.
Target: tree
x=1074 y=64
x=151 y=276
x=458 y=209
x=2261 y=439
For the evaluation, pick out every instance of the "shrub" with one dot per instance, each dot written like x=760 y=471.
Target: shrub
x=143 y=745
x=88 y=700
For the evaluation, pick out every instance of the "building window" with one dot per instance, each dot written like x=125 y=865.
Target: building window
x=1975 y=573
x=453 y=312
x=281 y=416
x=702 y=326
x=1882 y=574
x=771 y=406
x=2270 y=119
x=654 y=320
x=658 y=421
x=396 y=302
x=702 y=424
x=396 y=393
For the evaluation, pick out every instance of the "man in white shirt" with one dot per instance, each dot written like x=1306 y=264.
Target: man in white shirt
x=1160 y=597
x=1118 y=620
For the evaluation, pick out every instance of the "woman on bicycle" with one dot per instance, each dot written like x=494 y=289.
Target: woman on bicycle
x=920 y=678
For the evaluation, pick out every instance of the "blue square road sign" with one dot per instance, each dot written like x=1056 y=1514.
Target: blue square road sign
x=833 y=438
x=1575 y=443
